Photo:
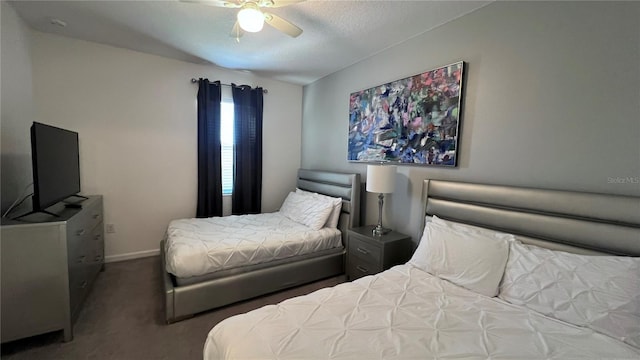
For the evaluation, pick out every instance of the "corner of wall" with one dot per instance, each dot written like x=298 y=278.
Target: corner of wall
x=17 y=105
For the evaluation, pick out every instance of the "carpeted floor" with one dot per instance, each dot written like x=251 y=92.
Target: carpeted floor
x=123 y=318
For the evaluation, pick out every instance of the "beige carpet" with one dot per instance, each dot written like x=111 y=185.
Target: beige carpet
x=123 y=319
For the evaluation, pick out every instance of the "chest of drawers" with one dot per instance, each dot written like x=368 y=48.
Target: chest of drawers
x=48 y=266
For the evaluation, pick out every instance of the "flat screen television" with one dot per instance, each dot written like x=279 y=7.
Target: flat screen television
x=56 y=165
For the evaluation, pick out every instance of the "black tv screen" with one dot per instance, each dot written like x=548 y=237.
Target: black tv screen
x=56 y=165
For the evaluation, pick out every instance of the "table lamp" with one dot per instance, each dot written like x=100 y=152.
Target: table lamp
x=381 y=180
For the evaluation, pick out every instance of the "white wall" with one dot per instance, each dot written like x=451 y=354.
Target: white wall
x=16 y=96
x=136 y=118
x=552 y=100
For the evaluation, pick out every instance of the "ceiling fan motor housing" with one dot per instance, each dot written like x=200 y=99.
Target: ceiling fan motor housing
x=250 y=17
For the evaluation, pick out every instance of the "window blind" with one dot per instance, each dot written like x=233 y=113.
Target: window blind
x=226 y=140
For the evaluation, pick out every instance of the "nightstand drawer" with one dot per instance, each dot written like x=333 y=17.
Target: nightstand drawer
x=357 y=268
x=364 y=250
x=369 y=254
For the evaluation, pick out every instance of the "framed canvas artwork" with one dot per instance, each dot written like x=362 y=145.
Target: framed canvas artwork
x=415 y=120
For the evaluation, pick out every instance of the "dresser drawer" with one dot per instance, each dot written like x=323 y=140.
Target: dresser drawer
x=97 y=244
x=77 y=234
x=94 y=214
x=79 y=249
x=96 y=258
x=80 y=226
x=78 y=288
x=363 y=250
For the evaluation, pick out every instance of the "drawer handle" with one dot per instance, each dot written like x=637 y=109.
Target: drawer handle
x=363 y=251
x=97 y=237
x=95 y=216
x=81 y=259
x=98 y=257
x=84 y=284
x=80 y=232
x=362 y=269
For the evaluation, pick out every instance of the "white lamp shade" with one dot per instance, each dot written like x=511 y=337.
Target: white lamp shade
x=250 y=19
x=381 y=178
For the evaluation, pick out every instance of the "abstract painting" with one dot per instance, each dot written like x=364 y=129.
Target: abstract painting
x=409 y=121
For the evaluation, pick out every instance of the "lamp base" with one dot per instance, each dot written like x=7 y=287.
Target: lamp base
x=379 y=231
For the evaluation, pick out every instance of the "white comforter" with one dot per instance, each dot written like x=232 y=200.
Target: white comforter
x=404 y=313
x=202 y=246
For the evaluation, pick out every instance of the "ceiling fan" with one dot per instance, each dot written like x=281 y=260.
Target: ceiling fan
x=251 y=17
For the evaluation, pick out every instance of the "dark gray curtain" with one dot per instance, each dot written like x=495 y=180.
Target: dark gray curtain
x=209 y=160
x=247 y=174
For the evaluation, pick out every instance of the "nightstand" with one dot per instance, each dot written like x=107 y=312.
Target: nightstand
x=368 y=254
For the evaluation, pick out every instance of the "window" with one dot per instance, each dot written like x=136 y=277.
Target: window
x=226 y=140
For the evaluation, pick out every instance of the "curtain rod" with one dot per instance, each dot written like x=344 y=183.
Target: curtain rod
x=195 y=81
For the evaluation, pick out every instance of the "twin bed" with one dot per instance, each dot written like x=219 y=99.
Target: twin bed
x=209 y=263
x=500 y=272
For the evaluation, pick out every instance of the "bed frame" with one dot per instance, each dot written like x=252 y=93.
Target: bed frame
x=577 y=222
x=184 y=301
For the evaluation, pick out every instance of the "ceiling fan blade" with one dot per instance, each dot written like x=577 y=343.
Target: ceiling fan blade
x=282 y=24
x=216 y=3
x=277 y=3
x=236 y=32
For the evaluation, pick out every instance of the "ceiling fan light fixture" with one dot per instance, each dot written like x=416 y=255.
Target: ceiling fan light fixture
x=250 y=18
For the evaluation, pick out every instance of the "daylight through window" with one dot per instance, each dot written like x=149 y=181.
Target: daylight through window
x=226 y=140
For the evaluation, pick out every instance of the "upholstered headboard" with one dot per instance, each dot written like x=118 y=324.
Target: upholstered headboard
x=577 y=222
x=345 y=186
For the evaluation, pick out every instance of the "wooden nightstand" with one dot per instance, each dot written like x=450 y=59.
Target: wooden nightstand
x=368 y=254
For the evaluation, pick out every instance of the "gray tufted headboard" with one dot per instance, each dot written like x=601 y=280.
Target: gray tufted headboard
x=577 y=222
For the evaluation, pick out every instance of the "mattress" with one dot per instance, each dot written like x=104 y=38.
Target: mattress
x=250 y=268
x=404 y=313
x=195 y=247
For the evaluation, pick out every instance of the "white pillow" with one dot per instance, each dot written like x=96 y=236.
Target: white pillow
x=306 y=210
x=334 y=217
x=599 y=292
x=472 y=230
x=473 y=261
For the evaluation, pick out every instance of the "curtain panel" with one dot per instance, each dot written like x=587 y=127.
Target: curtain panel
x=247 y=179
x=209 y=158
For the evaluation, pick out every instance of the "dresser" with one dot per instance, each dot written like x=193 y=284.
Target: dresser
x=48 y=266
x=368 y=254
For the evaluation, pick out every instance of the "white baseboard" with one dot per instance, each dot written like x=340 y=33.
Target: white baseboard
x=131 y=256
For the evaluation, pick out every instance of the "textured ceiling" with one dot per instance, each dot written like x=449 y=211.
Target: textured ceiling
x=336 y=33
